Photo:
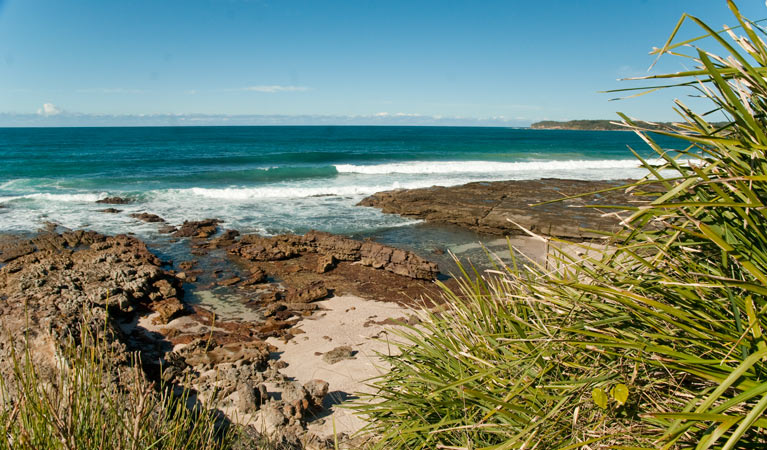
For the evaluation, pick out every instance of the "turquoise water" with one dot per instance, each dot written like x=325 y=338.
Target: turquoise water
x=274 y=179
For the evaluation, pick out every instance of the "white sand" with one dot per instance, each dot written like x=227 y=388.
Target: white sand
x=347 y=321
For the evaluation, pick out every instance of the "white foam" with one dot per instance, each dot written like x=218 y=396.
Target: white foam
x=82 y=198
x=12 y=183
x=276 y=192
x=450 y=167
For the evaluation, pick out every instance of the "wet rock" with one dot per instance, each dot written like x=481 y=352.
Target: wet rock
x=167 y=229
x=226 y=239
x=187 y=265
x=147 y=217
x=229 y=281
x=111 y=210
x=115 y=200
x=198 y=229
x=487 y=207
x=338 y=354
x=313 y=292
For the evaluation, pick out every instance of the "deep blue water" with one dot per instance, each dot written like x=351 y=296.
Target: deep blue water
x=275 y=179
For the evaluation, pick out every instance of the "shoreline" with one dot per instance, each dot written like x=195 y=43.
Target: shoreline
x=224 y=320
x=254 y=317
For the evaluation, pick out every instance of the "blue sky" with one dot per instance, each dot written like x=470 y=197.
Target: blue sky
x=453 y=62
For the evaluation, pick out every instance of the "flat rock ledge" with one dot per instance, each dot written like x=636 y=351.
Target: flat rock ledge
x=335 y=248
x=488 y=207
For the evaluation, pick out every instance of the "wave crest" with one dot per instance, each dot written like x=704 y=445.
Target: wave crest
x=448 y=167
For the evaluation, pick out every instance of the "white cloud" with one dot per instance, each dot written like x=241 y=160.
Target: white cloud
x=110 y=91
x=48 y=109
x=274 y=88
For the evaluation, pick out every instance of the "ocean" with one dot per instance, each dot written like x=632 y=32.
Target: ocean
x=274 y=180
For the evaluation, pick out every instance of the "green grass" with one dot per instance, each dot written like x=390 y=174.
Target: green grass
x=658 y=343
x=96 y=401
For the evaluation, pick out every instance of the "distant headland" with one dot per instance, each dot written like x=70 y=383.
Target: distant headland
x=594 y=125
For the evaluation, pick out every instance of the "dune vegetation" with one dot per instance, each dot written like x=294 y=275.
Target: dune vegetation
x=658 y=342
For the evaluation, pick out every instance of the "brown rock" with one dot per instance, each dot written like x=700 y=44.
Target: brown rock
x=199 y=229
x=115 y=200
x=110 y=210
x=317 y=390
x=273 y=308
x=229 y=281
x=326 y=263
x=167 y=229
x=187 y=265
x=487 y=207
x=167 y=309
x=257 y=248
x=58 y=285
x=199 y=353
x=334 y=248
x=271 y=296
x=165 y=288
x=147 y=217
x=226 y=239
x=338 y=354
x=313 y=292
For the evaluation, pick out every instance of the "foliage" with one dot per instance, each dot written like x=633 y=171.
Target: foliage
x=93 y=403
x=656 y=341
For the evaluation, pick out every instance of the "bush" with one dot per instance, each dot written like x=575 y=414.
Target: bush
x=93 y=402
x=656 y=343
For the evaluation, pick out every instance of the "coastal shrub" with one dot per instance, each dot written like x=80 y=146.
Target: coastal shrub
x=658 y=342
x=93 y=403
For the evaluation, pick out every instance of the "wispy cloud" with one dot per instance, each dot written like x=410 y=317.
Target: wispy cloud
x=51 y=115
x=110 y=91
x=48 y=109
x=274 y=88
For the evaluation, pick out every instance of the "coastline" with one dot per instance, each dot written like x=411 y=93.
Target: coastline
x=253 y=317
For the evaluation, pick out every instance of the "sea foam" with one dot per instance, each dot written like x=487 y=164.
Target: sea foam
x=450 y=167
x=85 y=197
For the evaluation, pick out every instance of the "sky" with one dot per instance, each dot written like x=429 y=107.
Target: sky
x=508 y=63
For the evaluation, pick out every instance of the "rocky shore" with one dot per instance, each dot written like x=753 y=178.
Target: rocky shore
x=490 y=207
x=55 y=283
x=282 y=328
